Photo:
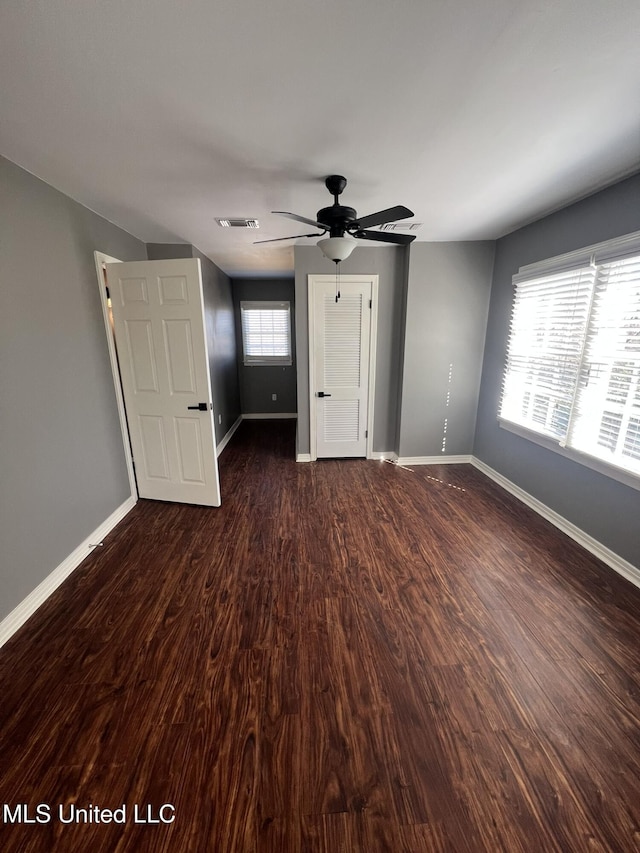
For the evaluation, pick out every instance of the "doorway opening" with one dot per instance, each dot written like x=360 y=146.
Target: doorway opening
x=101 y=260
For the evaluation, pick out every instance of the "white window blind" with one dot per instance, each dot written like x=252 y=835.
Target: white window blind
x=607 y=411
x=545 y=349
x=266 y=332
x=573 y=361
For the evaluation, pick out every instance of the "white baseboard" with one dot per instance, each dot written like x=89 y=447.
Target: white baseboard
x=376 y=455
x=403 y=460
x=266 y=416
x=433 y=460
x=227 y=438
x=609 y=557
x=39 y=595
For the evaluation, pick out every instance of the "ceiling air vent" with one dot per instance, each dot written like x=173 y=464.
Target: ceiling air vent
x=238 y=223
x=400 y=226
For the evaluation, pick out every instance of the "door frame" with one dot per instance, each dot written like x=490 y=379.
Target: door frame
x=312 y=280
x=100 y=260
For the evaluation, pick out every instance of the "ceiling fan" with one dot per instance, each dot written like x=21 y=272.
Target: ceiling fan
x=340 y=221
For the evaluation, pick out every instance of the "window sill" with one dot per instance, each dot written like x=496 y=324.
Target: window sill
x=599 y=465
x=266 y=364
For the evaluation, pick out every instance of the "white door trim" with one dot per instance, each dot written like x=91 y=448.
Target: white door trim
x=356 y=279
x=100 y=260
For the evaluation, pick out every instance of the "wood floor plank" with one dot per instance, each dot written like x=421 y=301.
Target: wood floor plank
x=345 y=656
x=516 y=818
x=556 y=799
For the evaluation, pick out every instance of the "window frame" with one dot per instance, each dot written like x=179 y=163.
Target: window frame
x=597 y=254
x=265 y=359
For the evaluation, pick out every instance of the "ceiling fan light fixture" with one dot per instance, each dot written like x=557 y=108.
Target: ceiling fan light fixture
x=337 y=248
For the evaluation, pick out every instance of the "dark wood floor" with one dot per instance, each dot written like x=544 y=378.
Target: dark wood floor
x=346 y=656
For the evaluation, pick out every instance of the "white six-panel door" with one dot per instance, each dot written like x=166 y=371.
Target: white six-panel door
x=158 y=315
x=340 y=364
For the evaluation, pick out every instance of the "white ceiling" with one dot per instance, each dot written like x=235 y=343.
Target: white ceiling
x=161 y=115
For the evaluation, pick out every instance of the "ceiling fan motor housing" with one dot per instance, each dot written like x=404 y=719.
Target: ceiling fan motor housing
x=337 y=218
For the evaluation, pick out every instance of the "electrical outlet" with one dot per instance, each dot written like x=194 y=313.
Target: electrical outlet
x=274 y=396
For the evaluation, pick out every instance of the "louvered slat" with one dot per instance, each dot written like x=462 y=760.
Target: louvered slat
x=342 y=420
x=342 y=325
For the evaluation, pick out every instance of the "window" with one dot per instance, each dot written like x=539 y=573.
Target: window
x=572 y=374
x=266 y=332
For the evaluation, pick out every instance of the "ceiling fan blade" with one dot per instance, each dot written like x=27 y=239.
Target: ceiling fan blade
x=293 y=237
x=385 y=237
x=391 y=214
x=300 y=219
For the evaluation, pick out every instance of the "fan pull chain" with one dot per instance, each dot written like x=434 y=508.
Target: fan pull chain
x=337 y=281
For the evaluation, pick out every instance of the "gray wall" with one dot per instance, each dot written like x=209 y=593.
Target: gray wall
x=169 y=251
x=221 y=337
x=447 y=306
x=62 y=468
x=602 y=507
x=389 y=263
x=258 y=382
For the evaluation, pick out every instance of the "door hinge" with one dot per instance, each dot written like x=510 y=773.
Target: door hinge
x=371 y=303
x=366 y=433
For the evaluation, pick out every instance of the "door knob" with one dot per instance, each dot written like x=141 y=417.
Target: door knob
x=201 y=407
x=322 y=394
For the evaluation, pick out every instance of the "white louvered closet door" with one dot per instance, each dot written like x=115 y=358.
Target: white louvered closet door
x=342 y=340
